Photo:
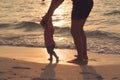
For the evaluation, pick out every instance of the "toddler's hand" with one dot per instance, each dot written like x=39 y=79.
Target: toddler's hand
x=46 y=21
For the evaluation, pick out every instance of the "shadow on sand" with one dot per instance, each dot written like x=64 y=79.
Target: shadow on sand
x=52 y=71
x=88 y=72
x=48 y=72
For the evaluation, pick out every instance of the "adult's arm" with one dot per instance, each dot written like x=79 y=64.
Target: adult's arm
x=54 y=4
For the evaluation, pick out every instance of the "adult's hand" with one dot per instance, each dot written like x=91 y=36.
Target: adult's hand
x=46 y=21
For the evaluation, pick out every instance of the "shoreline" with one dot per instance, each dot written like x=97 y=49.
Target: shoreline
x=40 y=55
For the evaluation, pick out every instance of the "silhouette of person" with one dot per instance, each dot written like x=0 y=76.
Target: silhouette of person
x=80 y=13
x=49 y=41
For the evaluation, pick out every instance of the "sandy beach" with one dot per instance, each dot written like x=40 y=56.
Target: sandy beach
x=26 y=63
x=19 y=26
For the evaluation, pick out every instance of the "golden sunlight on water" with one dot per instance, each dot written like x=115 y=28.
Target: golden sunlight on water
x=59 y=11
x=62 y=15
x=58 y=18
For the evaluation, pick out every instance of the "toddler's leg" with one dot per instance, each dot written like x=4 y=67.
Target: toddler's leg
x=51 y=58
x=55 y=55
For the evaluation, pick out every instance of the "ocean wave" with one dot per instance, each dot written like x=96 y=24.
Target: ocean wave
x=27 y=26
x=102 y=34
x=31 y=27
x=30 y=34
x=114 y=12
x=4 y=25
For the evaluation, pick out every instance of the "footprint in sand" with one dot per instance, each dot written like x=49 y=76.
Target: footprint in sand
x=19 y=67
x=1 y=72
x=115 y=78
x=3 y=79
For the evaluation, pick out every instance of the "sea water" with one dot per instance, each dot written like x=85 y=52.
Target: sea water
x=19 y=24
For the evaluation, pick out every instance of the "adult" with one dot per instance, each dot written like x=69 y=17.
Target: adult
x=80 y=13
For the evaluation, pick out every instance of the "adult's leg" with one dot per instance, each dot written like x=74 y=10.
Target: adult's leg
x=79 y=38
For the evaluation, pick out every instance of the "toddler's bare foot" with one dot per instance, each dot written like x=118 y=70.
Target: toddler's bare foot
x=57 y=59
x=50 y=58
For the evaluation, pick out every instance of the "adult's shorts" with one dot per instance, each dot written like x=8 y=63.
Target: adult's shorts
x=81 y=9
